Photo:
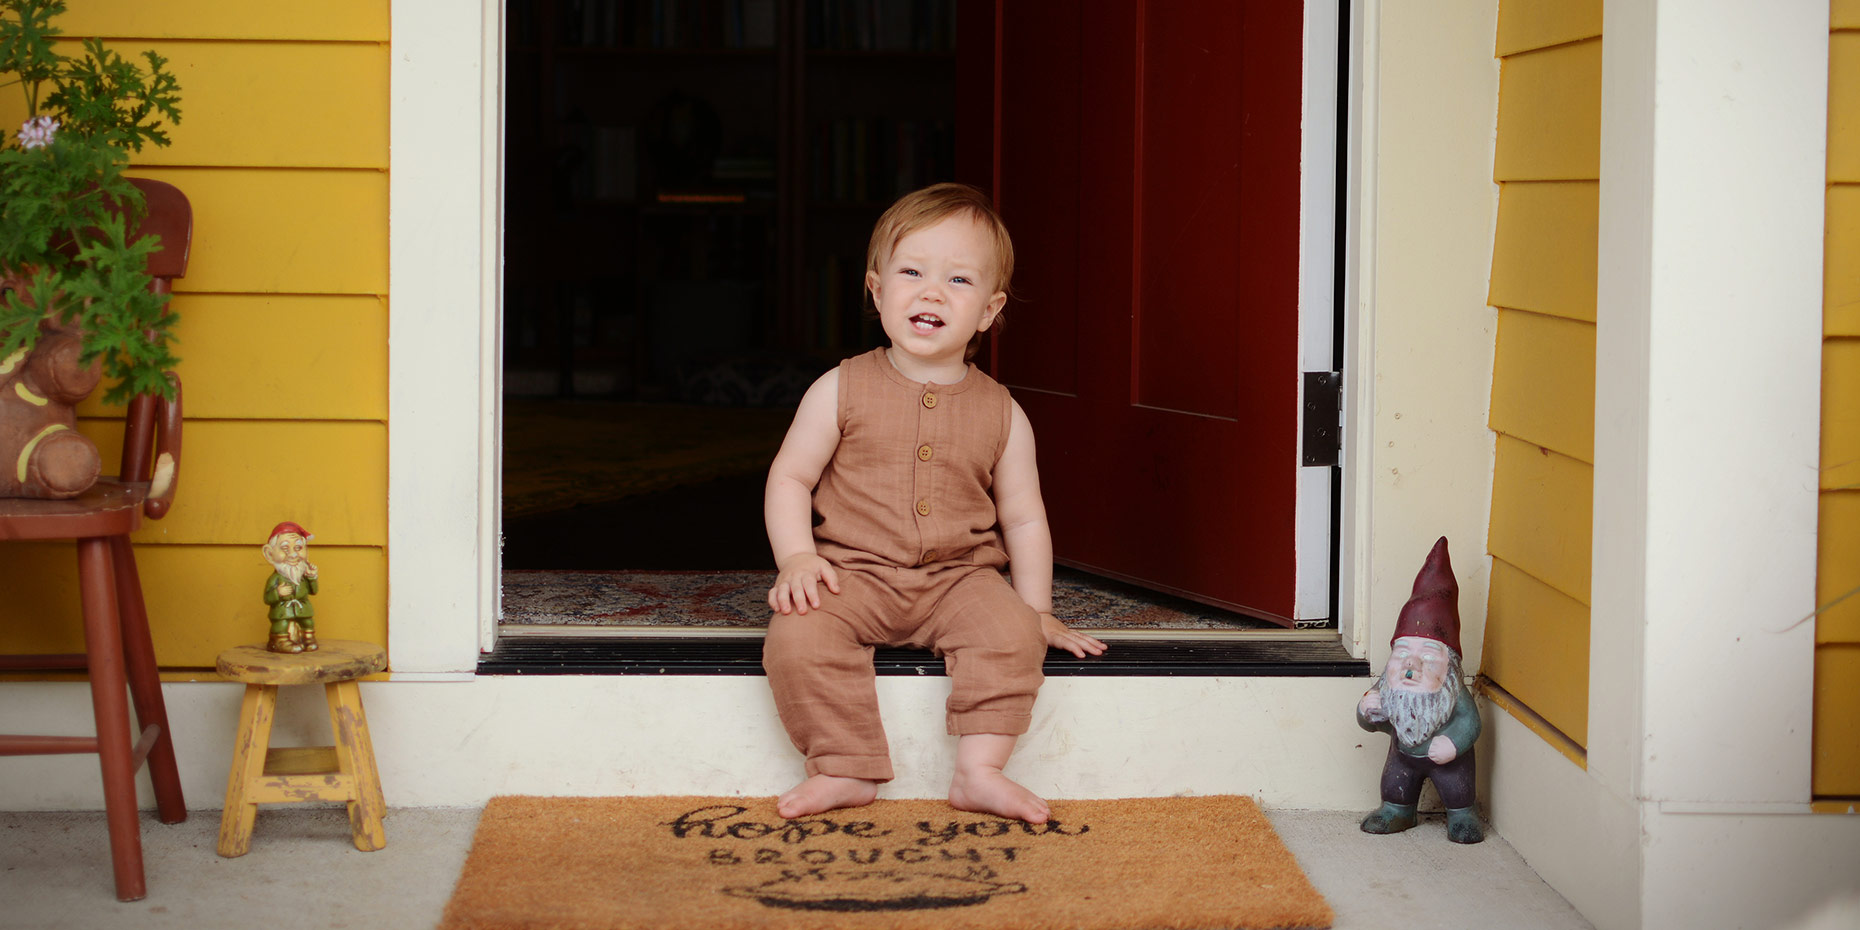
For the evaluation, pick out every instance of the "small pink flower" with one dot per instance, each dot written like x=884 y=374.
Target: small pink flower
x=37 y=132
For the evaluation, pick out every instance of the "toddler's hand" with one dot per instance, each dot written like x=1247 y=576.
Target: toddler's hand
x=797 y=584
x=1059 y=636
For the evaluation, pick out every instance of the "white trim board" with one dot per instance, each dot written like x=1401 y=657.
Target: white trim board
x=1291 y=742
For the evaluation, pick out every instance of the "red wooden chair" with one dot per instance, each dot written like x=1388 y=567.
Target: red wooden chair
x=118 y=651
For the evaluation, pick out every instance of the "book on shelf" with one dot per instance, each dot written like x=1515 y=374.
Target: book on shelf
x=654 y=24
x=860 y=160
x=881 y=25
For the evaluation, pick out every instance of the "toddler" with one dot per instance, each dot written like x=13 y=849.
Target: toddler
x=921 y=469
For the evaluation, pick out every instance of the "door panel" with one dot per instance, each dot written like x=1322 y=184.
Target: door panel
x=1148 y=166
x=1040 y=134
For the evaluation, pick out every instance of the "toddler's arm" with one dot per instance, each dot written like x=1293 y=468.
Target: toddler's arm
x=788 y=501
x=1029 y=541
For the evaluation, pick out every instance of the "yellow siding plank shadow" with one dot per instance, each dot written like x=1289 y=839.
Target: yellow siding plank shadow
x=1537 y=648
x=325 y=20
x=274 y=104
x=1840 y=413
x=284 y=231
x=1838 y=567
x=1527 y=24
x=1844 y=14
x=1837 y=721
x=1544 y=250
x=1543 y=382
x=1541 y=515
x=239 y=478
x=334 y=352
x=201 y=599
x=1841 y=268
x=1844 y=106
x=1550 y=115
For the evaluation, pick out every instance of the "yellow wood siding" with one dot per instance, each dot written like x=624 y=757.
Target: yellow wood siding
x=1549 y=114
x=1527 y=24
x=1534 y=632
x=1837 y=721
x=201 y=599
x=1545 y=393
x=1838 y=553
x=283 y=152
x=1837 y=629
x=303 y=105
x=1543 y=254
x=338 y=347
x=324 y=20
x=1844 y=121
x=329 y=476
x=1541 y=515
x=1543 y=379
x=1842 y=247
x=267 y=231
x=1840 y=414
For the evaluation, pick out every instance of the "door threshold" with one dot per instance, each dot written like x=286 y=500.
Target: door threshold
x=584 y=631
x=712 y=651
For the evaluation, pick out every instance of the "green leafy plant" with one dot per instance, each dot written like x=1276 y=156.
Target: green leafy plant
x=65 y=207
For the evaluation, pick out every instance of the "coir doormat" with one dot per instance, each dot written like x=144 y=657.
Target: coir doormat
x=684 y=863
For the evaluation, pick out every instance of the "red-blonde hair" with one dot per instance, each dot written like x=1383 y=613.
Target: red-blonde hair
x=926 y=207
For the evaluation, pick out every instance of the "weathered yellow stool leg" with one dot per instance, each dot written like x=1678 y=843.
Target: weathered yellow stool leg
x=248 y=766
x=355 y=757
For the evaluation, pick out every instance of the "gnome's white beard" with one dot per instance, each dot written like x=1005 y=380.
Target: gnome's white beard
x=1418 y=715
x=292 y=573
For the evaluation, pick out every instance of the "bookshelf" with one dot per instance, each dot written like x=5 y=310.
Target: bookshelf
x=692 y=179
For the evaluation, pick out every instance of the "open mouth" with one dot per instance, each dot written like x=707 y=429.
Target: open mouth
x=926 y=322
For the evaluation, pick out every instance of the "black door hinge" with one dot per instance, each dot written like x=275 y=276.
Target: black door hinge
x=1323 y=417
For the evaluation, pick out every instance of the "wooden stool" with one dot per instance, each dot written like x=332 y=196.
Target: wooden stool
x=343 y=772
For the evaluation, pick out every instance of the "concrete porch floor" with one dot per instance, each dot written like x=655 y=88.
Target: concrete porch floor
x=302 y=872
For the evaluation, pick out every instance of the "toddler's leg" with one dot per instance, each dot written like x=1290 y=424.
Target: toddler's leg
x=822 y=678
x=979 y=785
x=991 y=643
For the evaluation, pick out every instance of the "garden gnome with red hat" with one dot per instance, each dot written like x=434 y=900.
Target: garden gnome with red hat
x=288 y=590
x=1422 y=703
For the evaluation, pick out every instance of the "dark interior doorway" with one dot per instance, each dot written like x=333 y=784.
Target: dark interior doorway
x=690 y=185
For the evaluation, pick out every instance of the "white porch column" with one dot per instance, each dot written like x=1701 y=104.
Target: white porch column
x=1707 y=429
x=439 y=408
x=1708 y=373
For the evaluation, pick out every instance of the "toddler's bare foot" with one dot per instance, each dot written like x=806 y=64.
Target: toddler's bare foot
x=987 y=791
x=825 y=793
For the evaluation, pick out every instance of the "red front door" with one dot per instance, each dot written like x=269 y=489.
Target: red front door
x=1147 y=162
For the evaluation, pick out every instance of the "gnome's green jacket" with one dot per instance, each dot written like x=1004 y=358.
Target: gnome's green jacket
x=1462 y=727
x=295 y=607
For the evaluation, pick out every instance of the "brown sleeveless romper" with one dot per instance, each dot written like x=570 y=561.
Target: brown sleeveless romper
x=906 y=517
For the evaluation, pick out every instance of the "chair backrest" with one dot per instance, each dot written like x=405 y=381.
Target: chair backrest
x=171 y=217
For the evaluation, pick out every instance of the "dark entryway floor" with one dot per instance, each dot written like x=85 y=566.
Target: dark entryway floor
x=714 y=525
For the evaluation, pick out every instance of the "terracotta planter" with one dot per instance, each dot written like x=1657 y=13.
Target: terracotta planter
x=42 y=455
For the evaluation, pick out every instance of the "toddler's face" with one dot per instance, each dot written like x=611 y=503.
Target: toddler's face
x=937 y=289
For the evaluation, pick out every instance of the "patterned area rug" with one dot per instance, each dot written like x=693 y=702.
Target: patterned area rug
x=740 y=600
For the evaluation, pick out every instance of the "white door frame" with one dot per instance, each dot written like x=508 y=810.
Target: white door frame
x=445 y=386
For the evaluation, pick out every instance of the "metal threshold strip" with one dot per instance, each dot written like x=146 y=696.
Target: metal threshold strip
x=711 y=651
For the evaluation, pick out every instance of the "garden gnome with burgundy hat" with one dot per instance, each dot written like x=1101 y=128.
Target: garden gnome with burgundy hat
x=288 y=590
x=1422 y=703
